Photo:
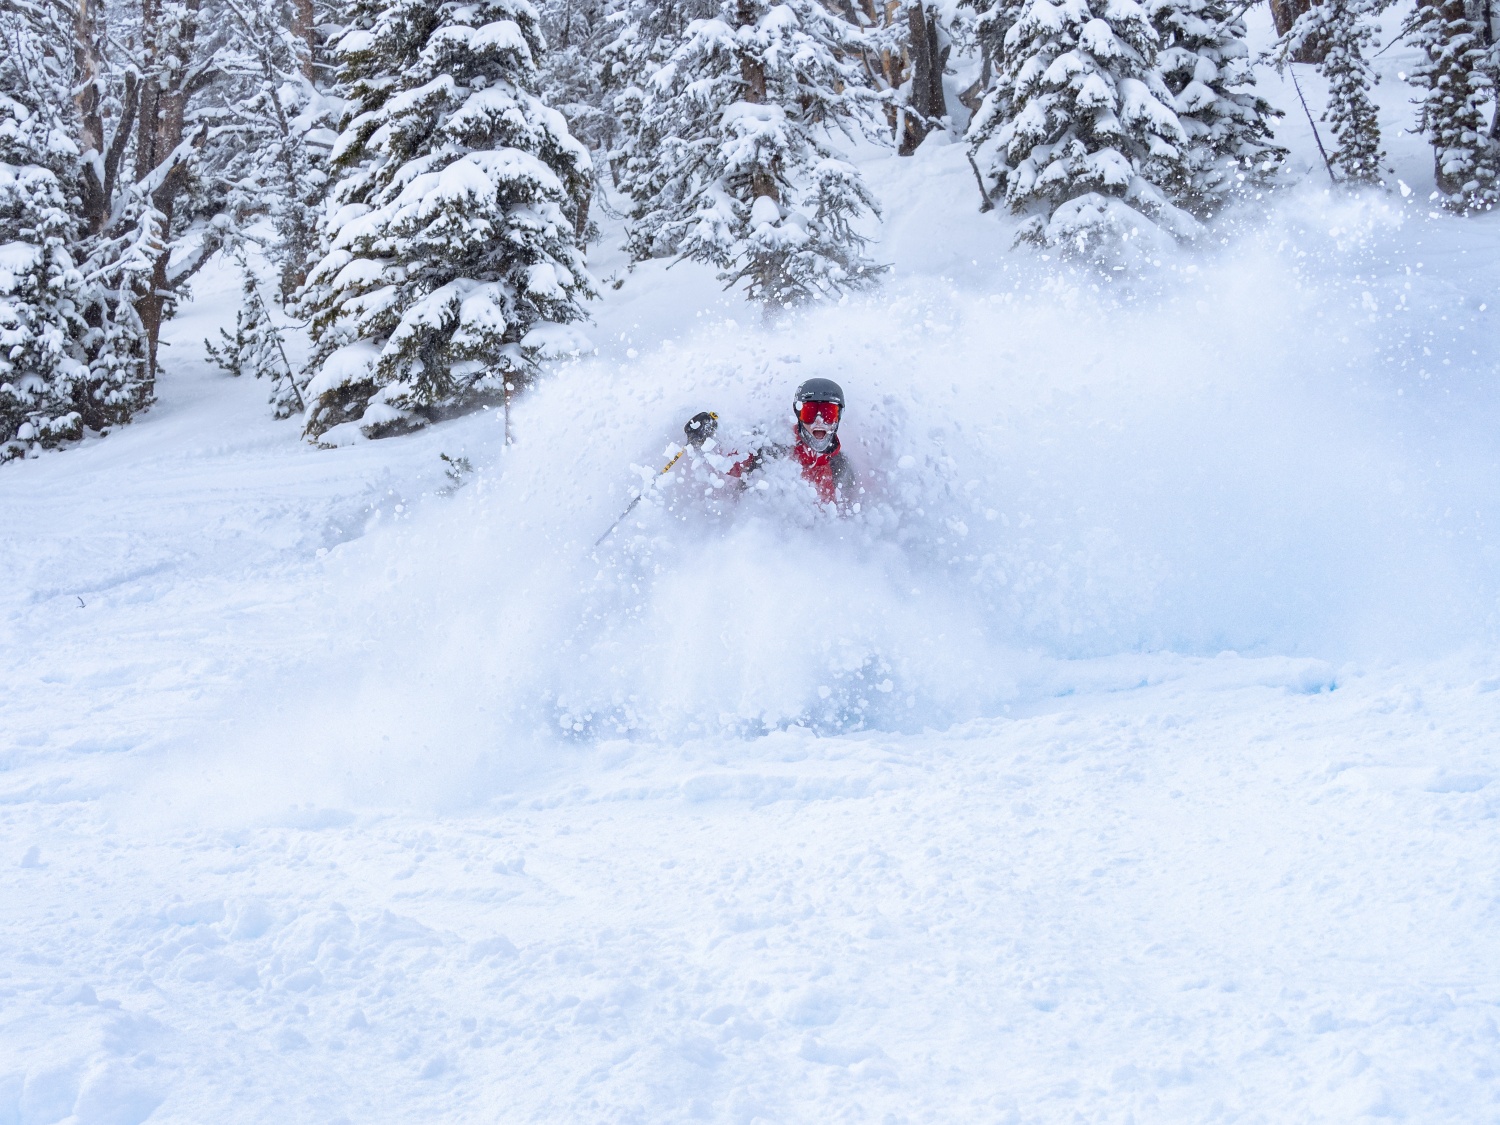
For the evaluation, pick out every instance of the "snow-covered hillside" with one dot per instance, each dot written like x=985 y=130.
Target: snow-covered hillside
x=1130 y=755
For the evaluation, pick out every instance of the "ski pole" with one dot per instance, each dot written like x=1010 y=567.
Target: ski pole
x=699 y=429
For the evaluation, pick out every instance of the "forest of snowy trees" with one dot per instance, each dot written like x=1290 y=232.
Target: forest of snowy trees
x=426 y=175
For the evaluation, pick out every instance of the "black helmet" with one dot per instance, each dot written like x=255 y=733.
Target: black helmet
x=818 y=390
x=701 y=427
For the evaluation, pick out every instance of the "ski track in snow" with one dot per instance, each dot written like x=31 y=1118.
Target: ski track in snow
x=326 y=795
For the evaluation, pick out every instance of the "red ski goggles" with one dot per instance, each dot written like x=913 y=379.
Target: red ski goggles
x=810 y=412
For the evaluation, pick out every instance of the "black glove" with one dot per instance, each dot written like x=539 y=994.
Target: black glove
x=701 y=427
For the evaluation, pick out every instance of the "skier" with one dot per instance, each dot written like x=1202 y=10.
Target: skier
x=817 y=409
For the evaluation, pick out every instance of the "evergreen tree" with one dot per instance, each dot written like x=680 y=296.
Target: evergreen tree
x=572 y=79
x=452 y=249
x=1344 y=30
x=572 y=69
x=649 y=31
x=1080 y=127
x=729 y=159
x=75 y=351
x=1205 y=63
x=257 y=349
x=43 y=364
x=1458 y=88
x=147 y=95
x=281 y=122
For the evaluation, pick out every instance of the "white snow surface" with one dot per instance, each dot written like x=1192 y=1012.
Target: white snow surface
x=1130 y=755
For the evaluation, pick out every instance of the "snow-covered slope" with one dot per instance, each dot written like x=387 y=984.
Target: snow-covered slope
x=331 y=792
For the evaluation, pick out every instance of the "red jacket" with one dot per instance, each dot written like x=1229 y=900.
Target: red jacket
x=829 y=473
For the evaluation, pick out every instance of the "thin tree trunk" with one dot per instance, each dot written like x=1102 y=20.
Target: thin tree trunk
x=753 y=75
x=160 y=132
x=927 y=103
x=303 y=29
x=581 y=221
x=87 y=98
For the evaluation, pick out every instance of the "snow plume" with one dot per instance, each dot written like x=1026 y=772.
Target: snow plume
x=1255 y=455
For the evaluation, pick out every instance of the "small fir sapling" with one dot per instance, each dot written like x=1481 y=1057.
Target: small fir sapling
x=258 y=349
x=457 y=470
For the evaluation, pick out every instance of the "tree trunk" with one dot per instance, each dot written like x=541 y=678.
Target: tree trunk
x=1284 y=13
x=163 y=116
x=581 y=221
x=303 y=29
x=926 y=104
x=88 y=98
x=753 y=75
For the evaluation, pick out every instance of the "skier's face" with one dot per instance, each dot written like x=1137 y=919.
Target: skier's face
x=820 y=421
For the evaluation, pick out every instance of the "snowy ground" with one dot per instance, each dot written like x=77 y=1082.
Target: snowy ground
x=1132 y=756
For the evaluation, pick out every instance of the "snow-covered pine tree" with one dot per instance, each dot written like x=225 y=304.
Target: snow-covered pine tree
x=648 y=32
x=1080 y=126
x=1458 y=88
x=281 y=123
x=258 y=349
x=739 y=115
x=452 y=256
x=43 y=336
x=572 y=68
x=572 y=79
x=1206 y=65
x=145 y=92
x=1344 y=30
